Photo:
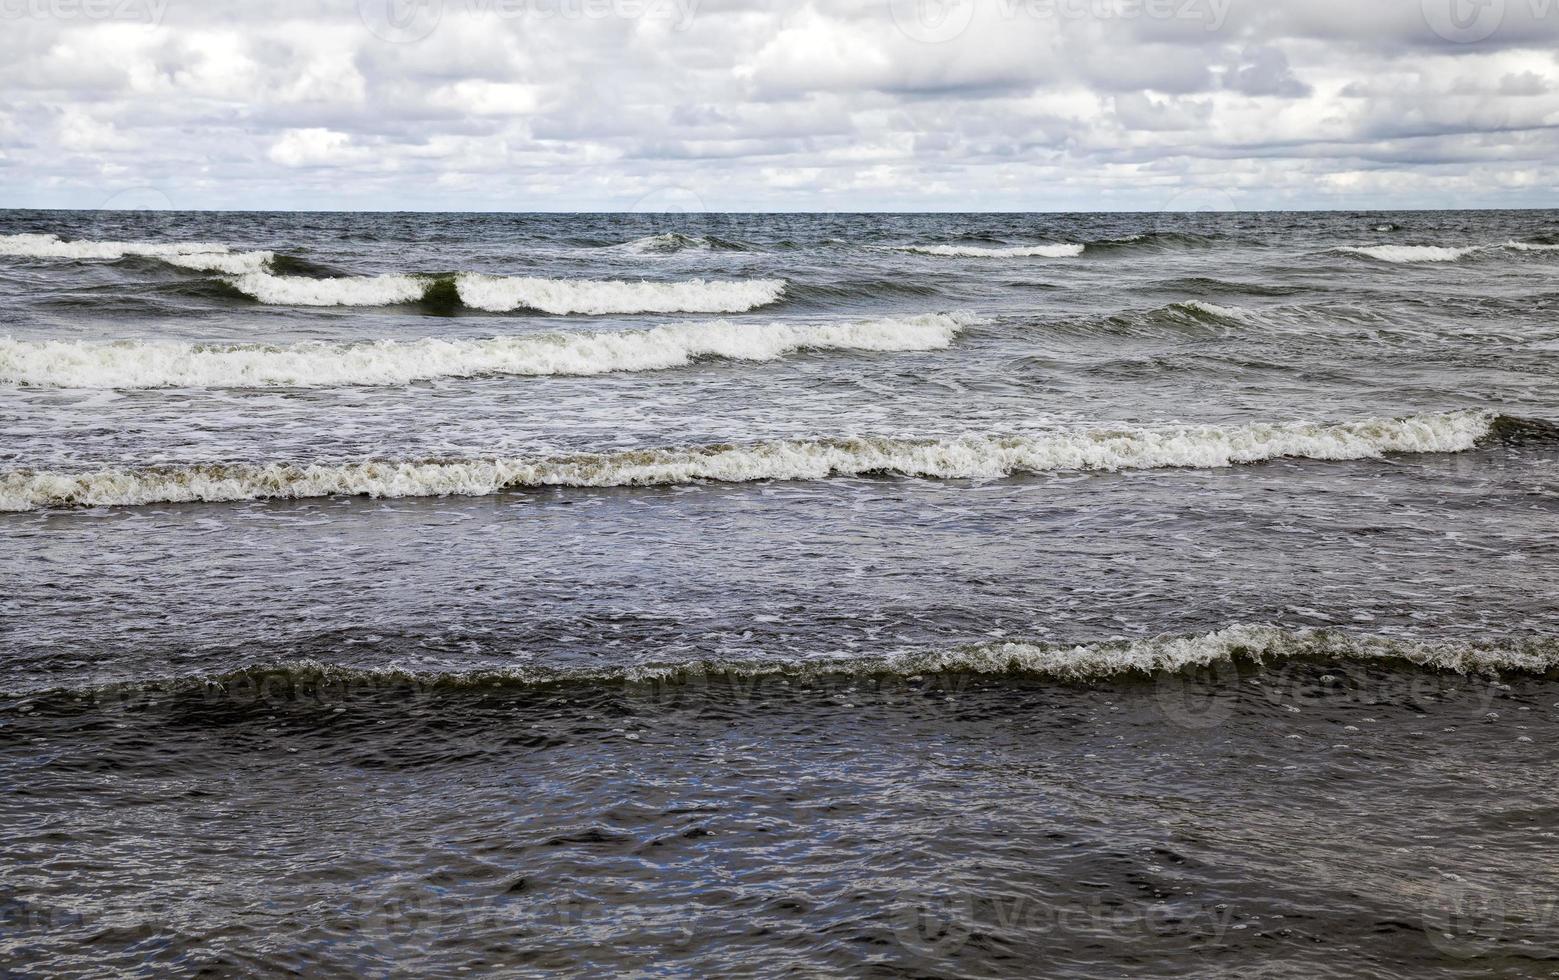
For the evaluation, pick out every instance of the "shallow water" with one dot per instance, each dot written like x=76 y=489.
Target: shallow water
x=1177 y=606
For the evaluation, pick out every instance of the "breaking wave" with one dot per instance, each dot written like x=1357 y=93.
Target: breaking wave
x=502 y=294
x=1407 y=254
x=1058 y=251
x=387 y=290
x=967 y=457
x=1152 y=241
x=199 y=256
x=1209 y=312
x=1161 y=656
x=151 y=364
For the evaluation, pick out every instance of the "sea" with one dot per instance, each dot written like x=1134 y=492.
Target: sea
x=758 y=595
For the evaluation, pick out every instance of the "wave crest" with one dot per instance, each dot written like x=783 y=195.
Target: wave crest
x=1409 y=254
x=1081 y=662
x=502 y=294
x=968 y=457
x=152 y=364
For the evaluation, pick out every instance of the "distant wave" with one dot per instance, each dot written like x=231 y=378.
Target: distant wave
x=200 y=256
x=671 y=242
x=1407 y=254
x=1175 y=318
x=151 y=364
x=1151 y=241
x=1072 y=662
x=260 y=276
x=1058 y=251
x=1208 y=286
x=968 y=457
x=502 y=294
x=1531 y=247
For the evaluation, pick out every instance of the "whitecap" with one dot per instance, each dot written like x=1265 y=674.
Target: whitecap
x=1055 y=251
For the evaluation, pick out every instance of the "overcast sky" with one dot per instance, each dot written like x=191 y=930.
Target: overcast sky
x=1046 y=105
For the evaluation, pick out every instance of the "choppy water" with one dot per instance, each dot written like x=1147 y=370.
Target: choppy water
x=845 y=595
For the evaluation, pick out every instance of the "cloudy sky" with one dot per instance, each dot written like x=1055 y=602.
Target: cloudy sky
x=1045 y=105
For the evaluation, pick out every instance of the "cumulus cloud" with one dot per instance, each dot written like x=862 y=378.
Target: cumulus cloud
x=780 y=104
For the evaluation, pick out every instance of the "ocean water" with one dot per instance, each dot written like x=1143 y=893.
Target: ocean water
x=836 y=595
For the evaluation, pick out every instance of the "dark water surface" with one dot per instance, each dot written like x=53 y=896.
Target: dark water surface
x=838 y=595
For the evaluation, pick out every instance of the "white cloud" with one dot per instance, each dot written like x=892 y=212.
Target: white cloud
x=314 y=148
x=768 y=104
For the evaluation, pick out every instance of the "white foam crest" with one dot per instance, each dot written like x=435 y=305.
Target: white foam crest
x=501 y=294
x=968 y=457
x=1163 y=655
x=1261 y=643
x=1404 y=254
x=201 y=256
x=1056 y=251
x=1216 y=311
x=386 y=290
x=160 y=364
x=230 y=263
